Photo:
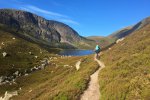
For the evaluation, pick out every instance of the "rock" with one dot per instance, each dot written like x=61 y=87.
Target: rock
x=2 y=79
x=30 y=90
x=20 y=88
x=10 y=83
x=19 y=74
x=16 y=73
x=25 y=70
x=55 y=58
x=4 y=54
x=36 y=68
x=13 y=80
x=119 y=40
x=36 y=56
x=7 y=95
x=6 y=81
x=30 y=53
x=13 y=38
x=2 y=43
x=78 y=65
x=66 y=65
x=26 y=74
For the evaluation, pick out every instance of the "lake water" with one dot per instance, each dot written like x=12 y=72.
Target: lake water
x=75 y=52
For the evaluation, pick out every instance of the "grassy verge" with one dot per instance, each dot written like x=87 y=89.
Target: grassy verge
x=127 y=72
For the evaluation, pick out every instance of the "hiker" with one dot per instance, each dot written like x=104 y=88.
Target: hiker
x=97 y=51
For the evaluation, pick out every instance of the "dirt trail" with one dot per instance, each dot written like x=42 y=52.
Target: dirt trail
x=92 y=92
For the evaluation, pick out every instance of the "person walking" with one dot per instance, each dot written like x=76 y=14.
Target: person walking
x=97 y=51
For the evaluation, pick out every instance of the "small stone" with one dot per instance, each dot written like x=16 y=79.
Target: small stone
x=20 y=88
x=13 y=38
x=16 y=73
x=30 y=90
x=36 y=56
x=1 y=79
x=2 y=43
x=26 y=74
x=4 y=54
x=30 y=53
x=10 y=83
x=66 y=65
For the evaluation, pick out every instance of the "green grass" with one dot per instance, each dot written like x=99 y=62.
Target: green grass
x=127 y=72
x=55 y=82
x=18 y=50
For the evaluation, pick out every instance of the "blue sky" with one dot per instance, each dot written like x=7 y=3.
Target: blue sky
x=87 y=17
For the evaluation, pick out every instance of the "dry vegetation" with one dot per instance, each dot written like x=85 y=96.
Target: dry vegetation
x=59 y=80
x=127 y=72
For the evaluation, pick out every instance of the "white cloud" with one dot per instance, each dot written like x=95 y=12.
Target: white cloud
x=49 y=14
x=69 y=21
x=39 y=10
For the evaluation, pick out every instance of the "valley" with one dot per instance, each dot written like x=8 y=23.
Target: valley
x=44 y=59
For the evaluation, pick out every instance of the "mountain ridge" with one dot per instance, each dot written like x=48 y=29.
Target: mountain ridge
x=38 y=29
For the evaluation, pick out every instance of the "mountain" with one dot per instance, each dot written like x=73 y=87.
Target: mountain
x=32 y=72
x=128 y=30
x=104 y=42
x=110 y=40
x=127 y=72
x=47 y=33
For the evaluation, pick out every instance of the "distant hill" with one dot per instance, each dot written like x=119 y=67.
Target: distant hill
x=127 y=72
x=128 y=30
x=39 y=30
x=107 y=41
x=104 y=42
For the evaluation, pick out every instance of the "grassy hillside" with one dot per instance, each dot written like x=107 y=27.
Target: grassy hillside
x=59 y=80
x=127 y=72
x=18 y=50
x=104 y=42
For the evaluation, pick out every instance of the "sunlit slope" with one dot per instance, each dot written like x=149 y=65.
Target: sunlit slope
x=127 y=72
x=21 y=54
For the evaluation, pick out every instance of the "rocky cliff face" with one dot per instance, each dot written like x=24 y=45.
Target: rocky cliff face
x=38 y=29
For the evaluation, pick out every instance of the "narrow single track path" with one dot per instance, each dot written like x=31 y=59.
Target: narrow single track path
x=93 y=92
